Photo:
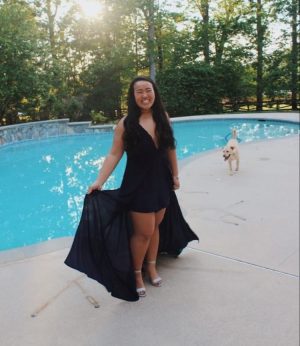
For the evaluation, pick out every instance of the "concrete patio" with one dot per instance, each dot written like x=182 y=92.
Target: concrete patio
x=239 y=286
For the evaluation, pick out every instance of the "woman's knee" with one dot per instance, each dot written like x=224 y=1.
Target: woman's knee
x=143 y=236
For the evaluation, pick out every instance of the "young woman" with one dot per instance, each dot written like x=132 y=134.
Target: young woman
x=121 y=231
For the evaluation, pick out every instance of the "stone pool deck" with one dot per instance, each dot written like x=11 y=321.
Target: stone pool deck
x=238 y=286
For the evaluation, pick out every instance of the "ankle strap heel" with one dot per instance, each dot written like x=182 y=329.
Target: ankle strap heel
x=157 y=282
x=141 y=291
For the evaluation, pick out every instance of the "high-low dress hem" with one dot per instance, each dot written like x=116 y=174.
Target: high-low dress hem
x=101 y=246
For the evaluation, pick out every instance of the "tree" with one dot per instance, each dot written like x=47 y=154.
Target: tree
x=190 y=89
x=260 y=30
x=102 y=88
x=203 y=7
x=277 y=80
x=293 y=11
x=288 y=12
x=148 y=8
x=228 y=21
x=20 y=66
x=51 y=12
x=54 y=62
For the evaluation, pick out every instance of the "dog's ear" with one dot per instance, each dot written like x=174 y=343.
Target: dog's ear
x=232 y=148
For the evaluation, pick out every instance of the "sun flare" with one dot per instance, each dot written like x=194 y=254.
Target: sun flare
x=90 y=8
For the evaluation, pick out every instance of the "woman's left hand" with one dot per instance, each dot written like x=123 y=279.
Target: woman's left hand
x=176 y=183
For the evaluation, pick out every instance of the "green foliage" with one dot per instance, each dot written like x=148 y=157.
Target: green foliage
x=102 y=87
x=54 y=62
x=98 y=118
x=20 y=69
x=277 y=75
x=234 y=81
x=200 y=88
x=190 y=89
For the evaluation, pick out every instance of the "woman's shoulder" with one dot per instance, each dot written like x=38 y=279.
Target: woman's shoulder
x=121 y=122
x=119 y=127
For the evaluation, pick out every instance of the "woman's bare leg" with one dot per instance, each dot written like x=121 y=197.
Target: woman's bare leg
x=143 y=228
x=153 y=246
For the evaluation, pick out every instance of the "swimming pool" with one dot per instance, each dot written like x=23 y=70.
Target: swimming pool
x=44 y=182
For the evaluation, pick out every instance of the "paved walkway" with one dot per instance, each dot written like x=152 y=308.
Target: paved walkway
x=239 y=286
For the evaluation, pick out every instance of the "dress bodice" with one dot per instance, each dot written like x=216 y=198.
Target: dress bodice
x=147 y=177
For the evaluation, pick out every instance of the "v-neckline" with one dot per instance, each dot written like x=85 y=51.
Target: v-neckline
x=152 y=139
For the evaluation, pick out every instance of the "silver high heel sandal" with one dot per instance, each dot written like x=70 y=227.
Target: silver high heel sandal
x=141 y=291
x=157 y=282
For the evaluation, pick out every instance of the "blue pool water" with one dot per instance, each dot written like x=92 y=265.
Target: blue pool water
x=43 y=182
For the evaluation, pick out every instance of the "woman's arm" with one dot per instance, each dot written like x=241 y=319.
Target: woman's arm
x=172 y=156
x=112 y=159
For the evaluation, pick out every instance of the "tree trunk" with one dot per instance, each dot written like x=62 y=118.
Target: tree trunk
x=151 y=41
x=160 y=55
x=148 y=9
x=203 y=7
x=205 y=15
x=51 y=23
x=220 y=48
x=294 y=57
x=136 y=45
x=259 y=47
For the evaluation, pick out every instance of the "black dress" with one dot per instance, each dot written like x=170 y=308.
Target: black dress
x=101 y=246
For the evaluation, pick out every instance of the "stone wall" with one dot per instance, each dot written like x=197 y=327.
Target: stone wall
x=46 y=129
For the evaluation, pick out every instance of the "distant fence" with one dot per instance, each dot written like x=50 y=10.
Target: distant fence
x=251 y=106
x=243 y=106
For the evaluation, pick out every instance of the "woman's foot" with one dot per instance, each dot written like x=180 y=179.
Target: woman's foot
x=155 y=279
x=140 y=287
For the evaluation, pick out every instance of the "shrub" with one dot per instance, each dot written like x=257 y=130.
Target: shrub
x=98 y=117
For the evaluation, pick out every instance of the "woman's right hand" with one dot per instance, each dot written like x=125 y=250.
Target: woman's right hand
x=95 y=186
x=176 y=183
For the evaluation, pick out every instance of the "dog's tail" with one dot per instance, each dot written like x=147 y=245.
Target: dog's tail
x=234 y=134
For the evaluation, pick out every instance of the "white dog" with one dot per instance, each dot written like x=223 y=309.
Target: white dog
x=231 y=152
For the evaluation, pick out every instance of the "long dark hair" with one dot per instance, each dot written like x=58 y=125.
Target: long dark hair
x=164 y=131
